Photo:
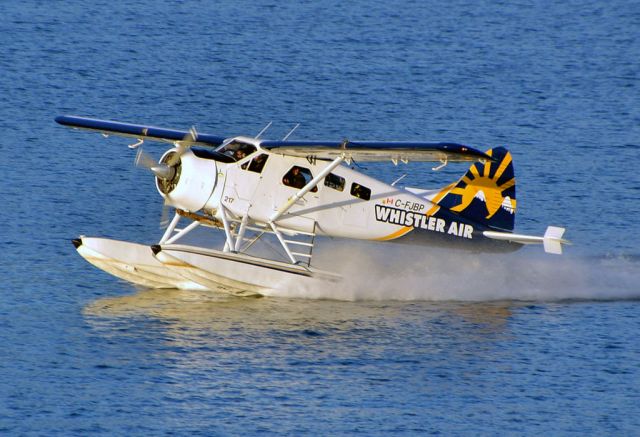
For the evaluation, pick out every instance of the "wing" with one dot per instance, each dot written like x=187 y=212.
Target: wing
x=357 y=150
x=377 y=150
x=138 y=131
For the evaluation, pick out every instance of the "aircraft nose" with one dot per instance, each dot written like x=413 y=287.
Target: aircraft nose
x=77 y=242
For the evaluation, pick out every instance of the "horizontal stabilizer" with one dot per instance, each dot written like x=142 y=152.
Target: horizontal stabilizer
x=552 y=240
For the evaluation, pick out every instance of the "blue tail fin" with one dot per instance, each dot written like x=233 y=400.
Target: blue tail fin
x=486 y=194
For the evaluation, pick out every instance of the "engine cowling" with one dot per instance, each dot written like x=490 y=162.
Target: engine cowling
x=191 y=182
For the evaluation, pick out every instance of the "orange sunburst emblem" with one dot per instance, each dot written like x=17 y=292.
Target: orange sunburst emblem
x=478 y=183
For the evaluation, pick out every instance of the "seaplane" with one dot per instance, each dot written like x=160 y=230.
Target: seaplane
x=249 y=189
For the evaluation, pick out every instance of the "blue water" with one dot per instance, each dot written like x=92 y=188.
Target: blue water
x=425 y=341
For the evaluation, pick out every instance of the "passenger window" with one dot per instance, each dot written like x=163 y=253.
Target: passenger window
x=360 y=191
x=257 y=163
x=334 y=181
x=298 y=177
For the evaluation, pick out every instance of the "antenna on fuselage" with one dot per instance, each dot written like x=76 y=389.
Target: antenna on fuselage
x=291 y=131
x=264 y=129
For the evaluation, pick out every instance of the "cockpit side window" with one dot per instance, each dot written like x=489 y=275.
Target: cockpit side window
x=298 y=177
x=257 y=163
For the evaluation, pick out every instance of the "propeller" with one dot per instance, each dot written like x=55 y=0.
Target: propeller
x=166 y=170
x=182 y=146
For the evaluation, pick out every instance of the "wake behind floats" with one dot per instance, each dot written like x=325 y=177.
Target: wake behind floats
x=292 y=191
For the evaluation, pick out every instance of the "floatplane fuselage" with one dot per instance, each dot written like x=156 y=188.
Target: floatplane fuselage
x=296 y=190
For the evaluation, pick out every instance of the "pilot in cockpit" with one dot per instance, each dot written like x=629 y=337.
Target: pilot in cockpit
x=239 y=154
x=239 y=151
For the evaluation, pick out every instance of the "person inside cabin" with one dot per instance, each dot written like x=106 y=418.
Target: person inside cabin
x=237 y=150
x=239 y=154
x=294 y=178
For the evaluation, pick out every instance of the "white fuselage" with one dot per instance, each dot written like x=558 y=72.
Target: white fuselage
x=345 y=204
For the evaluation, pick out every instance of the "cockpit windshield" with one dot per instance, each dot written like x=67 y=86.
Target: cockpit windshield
x=236 y=149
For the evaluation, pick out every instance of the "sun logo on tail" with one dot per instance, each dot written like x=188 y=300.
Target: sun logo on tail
x=479 y=183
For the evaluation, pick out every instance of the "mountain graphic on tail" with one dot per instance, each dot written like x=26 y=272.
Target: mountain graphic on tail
x=486 y=194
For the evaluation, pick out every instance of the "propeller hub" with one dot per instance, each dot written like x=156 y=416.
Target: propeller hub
x=163 y=171
x=168 y=171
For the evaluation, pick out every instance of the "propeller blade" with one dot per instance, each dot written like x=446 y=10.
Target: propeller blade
x=164 y=216
x=144 y=160
x=182 y=146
